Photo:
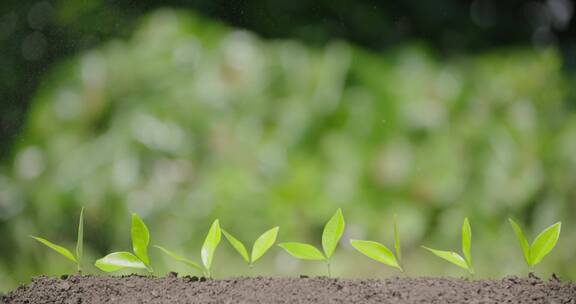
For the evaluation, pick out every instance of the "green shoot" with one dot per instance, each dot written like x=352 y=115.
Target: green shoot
x=331 y=235
x=65 y=252
x=207 y=252
x=261 y=245
x=453 y=257
x=542 y=245
x=379 y=252
x=137 y=260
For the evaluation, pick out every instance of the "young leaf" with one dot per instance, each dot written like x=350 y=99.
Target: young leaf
x=332 y=233
x=210 y=243
x=397 y=239
x=80 y=241
x=449 y=256
x=466 y=241
x=302 y=251
x=181 y=259
x=263 y=243
x=119 y=260
x=376 y=251
x=237 y=245
x=544 y=243
x=140 y=238
x=61 y=250
x=522 y=240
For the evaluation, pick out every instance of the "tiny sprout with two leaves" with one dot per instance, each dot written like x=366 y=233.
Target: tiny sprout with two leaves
x=381 y=253
x=454 y=257
x=207 y=252
x=261 y=245
x=123 y=259
x=330 y=237
x=65 y=252
x=542 y=245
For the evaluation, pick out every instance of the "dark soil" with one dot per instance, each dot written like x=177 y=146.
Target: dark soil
x=171 y=289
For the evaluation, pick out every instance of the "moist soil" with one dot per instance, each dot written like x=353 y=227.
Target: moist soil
x=171 y=289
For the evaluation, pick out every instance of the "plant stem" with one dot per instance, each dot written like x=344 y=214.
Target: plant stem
x=328 y=266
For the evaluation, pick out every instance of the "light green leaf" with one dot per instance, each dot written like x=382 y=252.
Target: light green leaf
x=332 y=233
x=302 y=251
x=466 y=241
x=61 y=250
x=140 y=238
x=181 y=259
x=210 y=244
x=449 y=256
x=397 y=239
x=80 y=241
x=237 y=245
x=119 y=260
x=544 y=243
x=522 y=240
x=376 y=251
x=263 y=243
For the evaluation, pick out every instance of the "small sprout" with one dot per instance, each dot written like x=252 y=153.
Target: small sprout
x=453 y=257
x=330 y=237
x=379 y=252
x=542 y=245
x=65 y=252
x=261 y=245
x=137 y=260
x=207 y=252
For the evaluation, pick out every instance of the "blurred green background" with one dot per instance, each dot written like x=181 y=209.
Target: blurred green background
x=277 y=113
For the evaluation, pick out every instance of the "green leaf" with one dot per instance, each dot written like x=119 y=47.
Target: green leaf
x=332 y=233
x=302 y=251
x=544 y=243
x=522 y=240
x=181 y=259
x=80 y=241
x=119 y=260
x=397 y=239
x=376 y=251
x=210 y=243
x=263 y=243
x=61 y=250
x=467 y=241
x=140 y=238
x=237 y=245
x=449 y=256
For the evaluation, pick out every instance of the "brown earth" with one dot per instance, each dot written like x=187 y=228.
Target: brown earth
x=171 y=289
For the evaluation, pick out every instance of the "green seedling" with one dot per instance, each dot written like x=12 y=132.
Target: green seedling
x=207 y=252
x=542 y=245
x=453 y=257
x=381 y=253
x=123 y=259
x=261 y=245
x=65 y=252
x=330 y=237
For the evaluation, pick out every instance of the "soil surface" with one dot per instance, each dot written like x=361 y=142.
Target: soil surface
x=171 y=289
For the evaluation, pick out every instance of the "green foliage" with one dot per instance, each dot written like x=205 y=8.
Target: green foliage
x=65 y=252
x=139 y=260
x=207 y=252
x=331 y=235
x=542 y=244
x=379 y=252
x=261 y=245
x=454 y=257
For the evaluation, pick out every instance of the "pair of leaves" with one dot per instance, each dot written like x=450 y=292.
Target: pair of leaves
x=138 y=259
x=331 y=235
x=453 y=257
x=207 y=252
x=379 y=252
x=261 y=245
x=542 y=245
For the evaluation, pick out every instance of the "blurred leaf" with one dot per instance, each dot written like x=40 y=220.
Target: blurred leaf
x=544 y=243
x=61 y=250
x=140 y=238
x=263 y=243
x=302 y=251
x=376 y=251
x=449 y=256
x=210 y=244
x=119 y=260
x=332 y=233
x=80 y=241
x=522 y=240
x=240 y=248
x=466 y=241
x=397 y=240
x=181 y=259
